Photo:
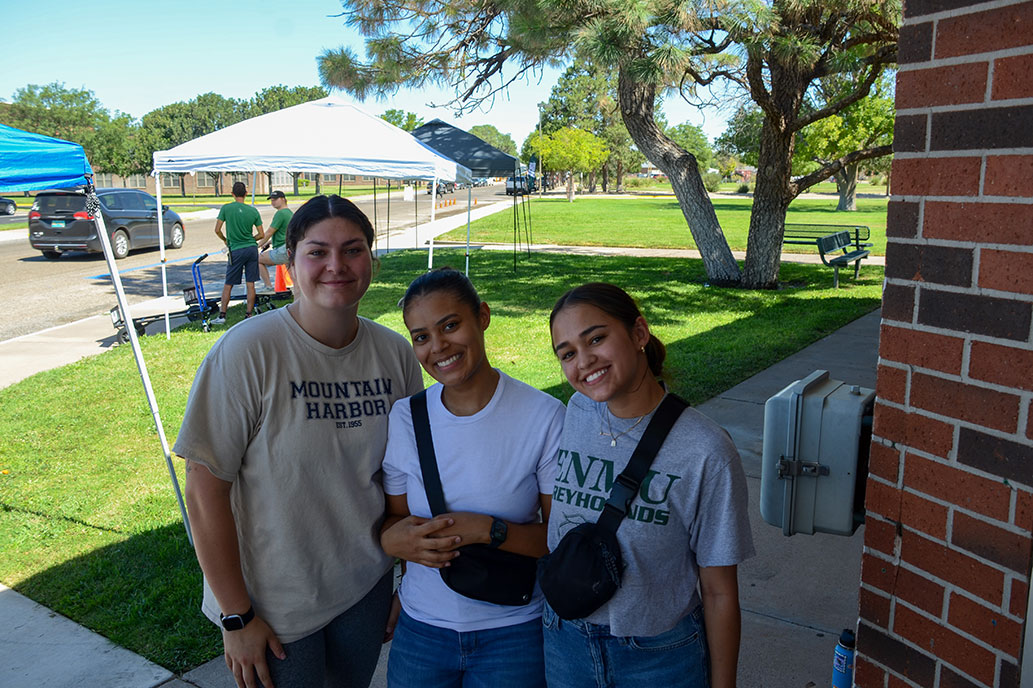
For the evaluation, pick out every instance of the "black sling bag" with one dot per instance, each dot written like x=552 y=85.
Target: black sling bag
x=584 y=571
x=479 y=572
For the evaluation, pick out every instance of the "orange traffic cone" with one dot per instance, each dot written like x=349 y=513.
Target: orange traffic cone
x=283 y=278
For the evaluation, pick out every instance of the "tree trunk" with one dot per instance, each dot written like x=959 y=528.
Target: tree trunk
x=591 y=181
x=570 y=187
x=606 y=179
x=269 y=179
x=183 y=184
x=319 y=185
x=620 y=176
x=771 y=197
x=636 y=103
x=846 y=185
x=294 y=178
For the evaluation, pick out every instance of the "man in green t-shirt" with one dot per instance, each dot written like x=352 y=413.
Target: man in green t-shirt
x=243 y=229
x=275 y=236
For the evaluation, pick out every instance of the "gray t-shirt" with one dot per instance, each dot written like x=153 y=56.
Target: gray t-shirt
x=300 y=428
x=691 y=510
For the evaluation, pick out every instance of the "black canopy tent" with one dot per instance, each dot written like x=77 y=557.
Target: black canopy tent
x=480 y=157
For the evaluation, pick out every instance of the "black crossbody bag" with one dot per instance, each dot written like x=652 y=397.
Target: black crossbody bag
x=584 y=571
x=479 y=572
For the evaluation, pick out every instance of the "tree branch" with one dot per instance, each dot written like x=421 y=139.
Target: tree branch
x=862 y=90
x=831 y=168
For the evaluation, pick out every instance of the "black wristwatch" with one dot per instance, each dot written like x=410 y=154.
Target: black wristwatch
x=236 y=622
x=499 y=530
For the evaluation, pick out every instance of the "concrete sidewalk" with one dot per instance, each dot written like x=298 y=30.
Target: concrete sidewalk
x=797 y=593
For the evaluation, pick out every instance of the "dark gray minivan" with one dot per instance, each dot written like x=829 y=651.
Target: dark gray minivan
x=58 y=222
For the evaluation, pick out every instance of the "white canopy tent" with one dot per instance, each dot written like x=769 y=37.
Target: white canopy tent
x=328 y=136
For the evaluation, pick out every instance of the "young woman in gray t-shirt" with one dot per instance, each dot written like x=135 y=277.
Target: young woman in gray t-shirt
x=675 y=619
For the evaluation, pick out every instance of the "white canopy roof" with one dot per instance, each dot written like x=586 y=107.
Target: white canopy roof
x=329 y=135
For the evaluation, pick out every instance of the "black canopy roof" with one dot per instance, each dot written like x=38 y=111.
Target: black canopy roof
x=482 y=159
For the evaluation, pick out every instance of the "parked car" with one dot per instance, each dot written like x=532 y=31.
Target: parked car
x=522 y=185
x=8 y=206
x=58 y=222
x=443 y=187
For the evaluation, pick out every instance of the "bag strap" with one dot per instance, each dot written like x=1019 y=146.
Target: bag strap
x=425 y=448
x=625 y=487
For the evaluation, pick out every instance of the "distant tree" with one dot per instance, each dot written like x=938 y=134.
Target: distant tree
x=572 y=151
x=693 y=140
x=866 y=124
x=585 y=97
x=409 y=121
x=73 y=114
x=741 y=137
x=116 y=147
x=279 y=97
x=493 y=137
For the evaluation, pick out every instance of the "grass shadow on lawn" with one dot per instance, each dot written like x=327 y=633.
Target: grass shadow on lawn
x=122 y=589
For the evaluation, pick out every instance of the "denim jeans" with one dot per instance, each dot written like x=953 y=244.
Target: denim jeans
x=344 y=653
x=425 y=656
x=579 y=654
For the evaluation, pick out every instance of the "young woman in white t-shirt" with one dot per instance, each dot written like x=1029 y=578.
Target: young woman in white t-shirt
x=495 y=441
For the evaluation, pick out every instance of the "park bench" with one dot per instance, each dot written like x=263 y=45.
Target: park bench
x=850 y=239
x=808 y=235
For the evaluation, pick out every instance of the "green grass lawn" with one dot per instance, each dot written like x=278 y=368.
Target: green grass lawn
x=659 y=223
x=89 y=525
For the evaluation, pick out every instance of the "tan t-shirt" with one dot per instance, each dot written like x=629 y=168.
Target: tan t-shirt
x=299 y=428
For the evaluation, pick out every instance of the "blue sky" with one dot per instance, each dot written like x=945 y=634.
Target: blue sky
x=137 y=56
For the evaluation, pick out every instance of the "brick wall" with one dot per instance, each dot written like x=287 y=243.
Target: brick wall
x=945 y=574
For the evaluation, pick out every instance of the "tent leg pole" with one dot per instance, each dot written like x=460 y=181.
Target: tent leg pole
x=375 y=227
x=161 y=256
x=433 y=217
x=387 y=235
x=141 y=365
x=469 y=201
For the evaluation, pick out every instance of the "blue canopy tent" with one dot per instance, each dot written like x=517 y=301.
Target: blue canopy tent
x=30 y=162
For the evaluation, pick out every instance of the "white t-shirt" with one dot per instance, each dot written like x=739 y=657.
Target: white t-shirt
x=497 y=461
x=299 y=428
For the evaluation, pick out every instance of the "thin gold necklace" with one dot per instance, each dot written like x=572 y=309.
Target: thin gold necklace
x=614 y=438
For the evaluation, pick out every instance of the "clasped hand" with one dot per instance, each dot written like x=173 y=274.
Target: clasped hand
x=433 y=541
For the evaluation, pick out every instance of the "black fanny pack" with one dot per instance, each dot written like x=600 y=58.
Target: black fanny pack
x=480 y=572
x=584 y=571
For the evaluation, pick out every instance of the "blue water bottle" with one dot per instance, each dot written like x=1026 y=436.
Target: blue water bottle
x=843 y=661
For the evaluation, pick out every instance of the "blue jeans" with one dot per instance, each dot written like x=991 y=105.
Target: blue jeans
x=344 y=653
x=579 y=654
x=425 y=656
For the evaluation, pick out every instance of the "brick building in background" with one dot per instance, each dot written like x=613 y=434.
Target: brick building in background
x=946 y=567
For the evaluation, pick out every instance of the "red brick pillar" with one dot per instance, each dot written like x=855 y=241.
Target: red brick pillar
x=945 y=575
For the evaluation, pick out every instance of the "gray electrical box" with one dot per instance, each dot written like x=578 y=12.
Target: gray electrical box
x=817 y=434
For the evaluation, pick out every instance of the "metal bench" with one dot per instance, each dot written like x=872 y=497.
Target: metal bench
x=840 y=241
x=807 y=235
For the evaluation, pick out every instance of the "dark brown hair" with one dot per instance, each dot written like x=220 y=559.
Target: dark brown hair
x=615 y=302
x=443 y=279
x=239 y=190
x=319 y=208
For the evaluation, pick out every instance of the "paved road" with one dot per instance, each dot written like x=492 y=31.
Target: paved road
x=41 y=293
